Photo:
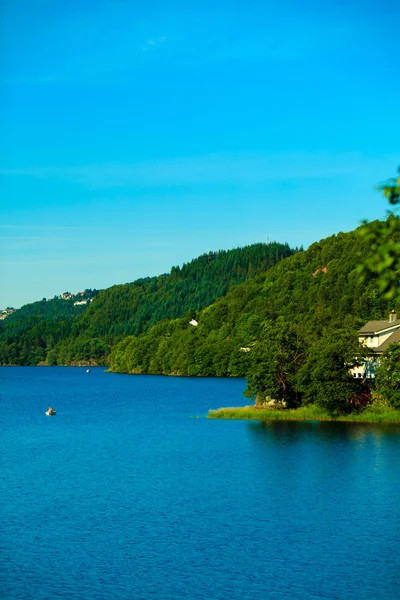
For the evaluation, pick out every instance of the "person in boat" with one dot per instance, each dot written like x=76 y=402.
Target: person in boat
x=50 y=410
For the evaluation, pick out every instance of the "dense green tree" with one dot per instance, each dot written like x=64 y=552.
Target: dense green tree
x=388 y=376
x=325 y=378
x=274 y=362
x=52 y=358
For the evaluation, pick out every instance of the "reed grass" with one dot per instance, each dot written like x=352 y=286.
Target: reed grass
x=372 y=414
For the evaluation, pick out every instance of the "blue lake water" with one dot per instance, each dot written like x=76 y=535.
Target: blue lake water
x=127 y=494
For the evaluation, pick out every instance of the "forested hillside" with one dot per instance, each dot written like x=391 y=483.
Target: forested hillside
x=52 y=331
x=270 y=322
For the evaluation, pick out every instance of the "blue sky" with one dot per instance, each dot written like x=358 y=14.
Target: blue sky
x=136 y=136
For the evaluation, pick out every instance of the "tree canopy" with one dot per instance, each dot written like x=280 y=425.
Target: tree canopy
x=382 y=261
x=388 y=376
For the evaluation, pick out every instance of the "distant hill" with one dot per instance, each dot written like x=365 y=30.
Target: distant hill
x=52 y=331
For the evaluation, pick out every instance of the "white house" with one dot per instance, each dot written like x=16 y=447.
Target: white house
x=377 y=336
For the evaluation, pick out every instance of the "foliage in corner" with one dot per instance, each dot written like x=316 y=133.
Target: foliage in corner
x=382 y=263
x=391 y=189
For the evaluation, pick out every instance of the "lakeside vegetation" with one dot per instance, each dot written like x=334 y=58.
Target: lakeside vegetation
x=375 y=413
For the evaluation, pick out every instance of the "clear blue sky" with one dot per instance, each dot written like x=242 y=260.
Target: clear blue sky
x=137 y=135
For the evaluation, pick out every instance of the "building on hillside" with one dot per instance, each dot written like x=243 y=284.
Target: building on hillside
x=79 y=302
x=67 y=296
x=377 y=336
x=5 y=312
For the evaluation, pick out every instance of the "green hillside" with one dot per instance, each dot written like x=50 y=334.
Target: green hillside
x=277 y=318
x=52 y=331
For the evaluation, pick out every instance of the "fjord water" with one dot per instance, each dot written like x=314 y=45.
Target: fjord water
x=128 y=492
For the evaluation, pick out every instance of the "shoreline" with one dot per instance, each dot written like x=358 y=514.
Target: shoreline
x=307 y=413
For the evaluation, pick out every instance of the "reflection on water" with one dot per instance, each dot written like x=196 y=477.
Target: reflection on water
x=327 y=428
x=330 y=467
x=375 y=444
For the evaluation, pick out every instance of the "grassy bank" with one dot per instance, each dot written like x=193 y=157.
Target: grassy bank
x=376 y=413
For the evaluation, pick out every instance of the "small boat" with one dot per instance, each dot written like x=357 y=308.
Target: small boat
x=87 y=370
x=50 y=412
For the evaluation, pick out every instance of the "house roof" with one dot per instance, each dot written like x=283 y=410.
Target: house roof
x=395 y=337
x=377 y=326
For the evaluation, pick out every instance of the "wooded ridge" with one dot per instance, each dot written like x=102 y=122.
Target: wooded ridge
x=58 y=332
